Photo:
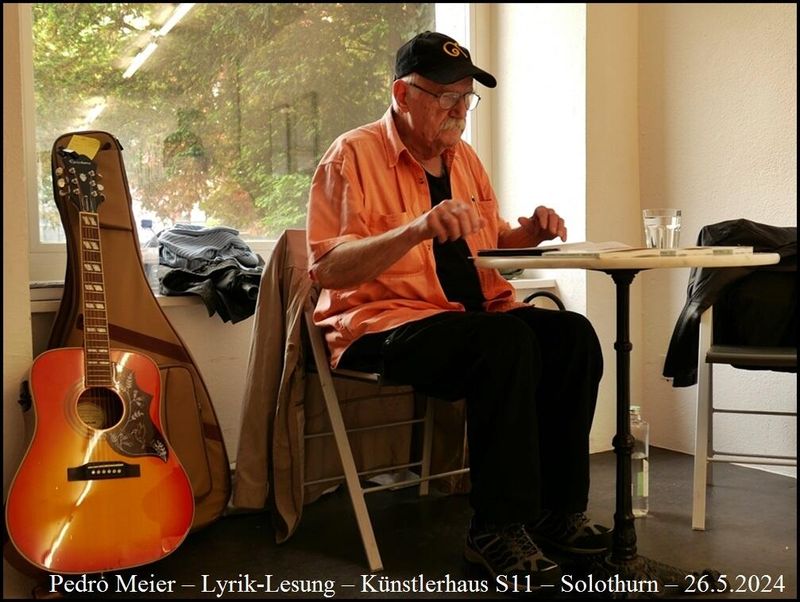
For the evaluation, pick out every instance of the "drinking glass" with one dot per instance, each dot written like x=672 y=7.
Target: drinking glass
x=662 y=228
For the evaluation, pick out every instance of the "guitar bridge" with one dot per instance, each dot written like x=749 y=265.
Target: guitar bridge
x=95 y=471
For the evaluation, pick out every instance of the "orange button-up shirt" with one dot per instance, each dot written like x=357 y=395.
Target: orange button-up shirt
x=368 y=183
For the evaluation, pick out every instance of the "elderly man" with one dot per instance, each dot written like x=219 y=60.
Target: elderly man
x=397 y=210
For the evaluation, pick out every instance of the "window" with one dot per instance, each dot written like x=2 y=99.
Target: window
x=223 y=110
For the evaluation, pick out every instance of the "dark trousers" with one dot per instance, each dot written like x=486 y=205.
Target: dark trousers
x=529 y=377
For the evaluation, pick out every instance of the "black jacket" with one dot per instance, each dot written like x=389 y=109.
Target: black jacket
x=752 y=305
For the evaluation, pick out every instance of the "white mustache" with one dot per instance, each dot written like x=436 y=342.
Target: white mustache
x=455 y=124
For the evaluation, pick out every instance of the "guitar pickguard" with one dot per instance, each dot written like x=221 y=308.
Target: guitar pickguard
x=136 y=435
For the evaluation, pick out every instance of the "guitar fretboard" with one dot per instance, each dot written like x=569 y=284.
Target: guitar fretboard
x=98 y=367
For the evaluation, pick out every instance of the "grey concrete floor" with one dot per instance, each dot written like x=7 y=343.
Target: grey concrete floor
x=751 y=539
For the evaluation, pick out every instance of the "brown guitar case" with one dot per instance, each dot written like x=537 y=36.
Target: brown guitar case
x=137 y=322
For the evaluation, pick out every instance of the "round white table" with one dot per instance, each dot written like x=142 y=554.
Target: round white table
x=605 y=263
x=624 y=560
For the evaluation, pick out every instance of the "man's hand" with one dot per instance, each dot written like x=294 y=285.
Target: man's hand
x=449 y=220
x=544 y=224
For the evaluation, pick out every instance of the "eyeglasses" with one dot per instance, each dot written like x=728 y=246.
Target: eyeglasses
x=447 y=100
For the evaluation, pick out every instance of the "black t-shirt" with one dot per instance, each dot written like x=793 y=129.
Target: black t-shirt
x=456 y=272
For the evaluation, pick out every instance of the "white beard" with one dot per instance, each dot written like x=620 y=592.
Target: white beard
x=455 y=124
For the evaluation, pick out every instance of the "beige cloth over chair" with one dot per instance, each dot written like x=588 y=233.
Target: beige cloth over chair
x=283 y=403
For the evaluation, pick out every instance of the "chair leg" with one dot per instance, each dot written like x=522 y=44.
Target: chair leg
x=710 y=450
x=701 y=427
x=345 y=453
x=427 y=446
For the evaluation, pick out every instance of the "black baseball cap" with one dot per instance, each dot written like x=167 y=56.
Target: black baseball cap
x=439 y=58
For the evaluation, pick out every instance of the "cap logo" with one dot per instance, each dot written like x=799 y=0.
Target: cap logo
x=453 y=49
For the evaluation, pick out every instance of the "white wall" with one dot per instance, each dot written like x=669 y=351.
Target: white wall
x=612 y=187
x=718 y=122
x=538 y=120
x=16 y=296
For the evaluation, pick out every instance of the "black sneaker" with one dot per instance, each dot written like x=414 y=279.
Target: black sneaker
x=510 y=556
x=570 y=532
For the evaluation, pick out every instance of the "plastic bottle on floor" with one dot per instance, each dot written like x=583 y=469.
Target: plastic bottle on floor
x=640 y=458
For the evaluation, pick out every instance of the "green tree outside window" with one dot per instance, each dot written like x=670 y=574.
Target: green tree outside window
x=232 y=110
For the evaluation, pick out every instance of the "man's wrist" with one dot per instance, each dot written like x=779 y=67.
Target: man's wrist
x=516 y=238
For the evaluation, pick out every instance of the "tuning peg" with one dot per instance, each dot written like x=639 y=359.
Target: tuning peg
x=100 y=187
x=59 y=170
x=61 y=182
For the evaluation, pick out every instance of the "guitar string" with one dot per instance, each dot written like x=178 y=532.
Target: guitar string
x=97 y=358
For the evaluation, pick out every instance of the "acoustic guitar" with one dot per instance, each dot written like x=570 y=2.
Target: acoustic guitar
x=99 y=487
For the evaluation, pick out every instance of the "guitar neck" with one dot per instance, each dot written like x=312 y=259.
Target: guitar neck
x=98 y=368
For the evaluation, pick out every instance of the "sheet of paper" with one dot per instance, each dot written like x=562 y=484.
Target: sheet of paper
x=84 y=145
x=585 y=249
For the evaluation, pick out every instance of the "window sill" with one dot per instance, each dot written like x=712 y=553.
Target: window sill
x=524 y=284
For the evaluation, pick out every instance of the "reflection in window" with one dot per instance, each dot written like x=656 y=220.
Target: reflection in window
x=223 y=109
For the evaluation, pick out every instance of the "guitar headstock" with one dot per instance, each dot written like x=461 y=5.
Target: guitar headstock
x=77 y=177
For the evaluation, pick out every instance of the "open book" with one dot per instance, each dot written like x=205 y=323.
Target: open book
x=609 y=249
x=576 y=249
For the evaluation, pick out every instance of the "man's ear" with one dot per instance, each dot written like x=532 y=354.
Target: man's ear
x=399 y=91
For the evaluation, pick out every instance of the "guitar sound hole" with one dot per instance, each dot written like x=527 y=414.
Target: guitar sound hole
x=100 y=408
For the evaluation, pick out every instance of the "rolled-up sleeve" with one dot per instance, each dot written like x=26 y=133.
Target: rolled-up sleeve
x=336 y=204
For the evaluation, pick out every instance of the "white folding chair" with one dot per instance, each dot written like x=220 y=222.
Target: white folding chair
x=352 y=476
x=704 y=451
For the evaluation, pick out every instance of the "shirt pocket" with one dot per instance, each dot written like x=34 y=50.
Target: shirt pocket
x=413 y=262
x=487 y=209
